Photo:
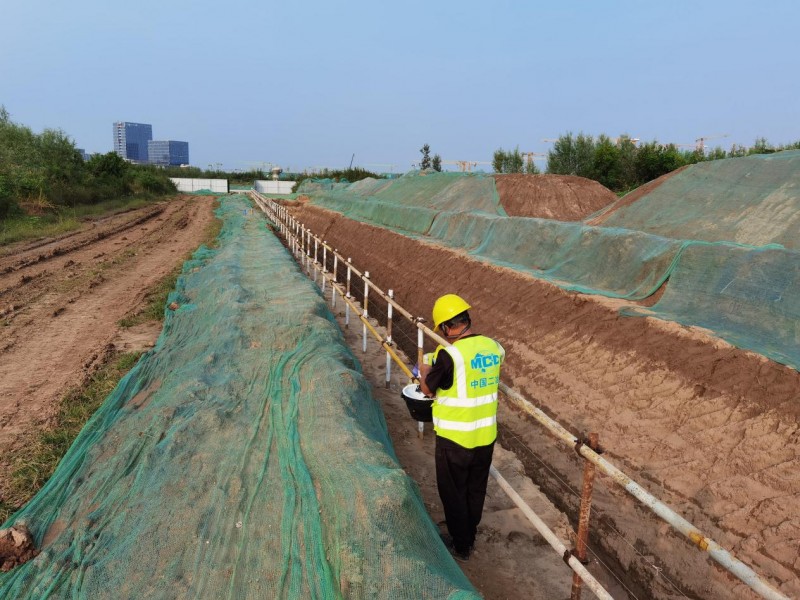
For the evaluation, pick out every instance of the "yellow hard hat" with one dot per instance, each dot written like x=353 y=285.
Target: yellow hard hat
x=447 y=307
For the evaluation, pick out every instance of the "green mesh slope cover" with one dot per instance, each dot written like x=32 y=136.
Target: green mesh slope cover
x=743 y=287
x=242 y=457
x=410 y=203
x=752 y=200
x=747 y=296
x=597 y=260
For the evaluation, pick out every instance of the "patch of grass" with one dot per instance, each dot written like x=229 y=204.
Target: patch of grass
x=34 y=465
x=29 y=227
x=155 y=300
x=212 y=231
x=64 y=219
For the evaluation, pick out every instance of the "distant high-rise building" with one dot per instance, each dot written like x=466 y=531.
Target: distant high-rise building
x=83 y=153
x=130 y=140
x=168 y=152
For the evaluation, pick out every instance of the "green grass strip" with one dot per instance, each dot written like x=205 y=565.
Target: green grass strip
x=33 y=467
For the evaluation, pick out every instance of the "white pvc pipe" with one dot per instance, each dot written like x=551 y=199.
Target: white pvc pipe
x=366 y=314
x=551 y=538
x=333 y=287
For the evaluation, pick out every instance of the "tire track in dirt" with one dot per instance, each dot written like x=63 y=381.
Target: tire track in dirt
x=40 y=252
x=56 y=338
x=711 y=429
x=80 y=264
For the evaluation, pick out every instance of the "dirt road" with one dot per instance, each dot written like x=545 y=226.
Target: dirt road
x=61 y=301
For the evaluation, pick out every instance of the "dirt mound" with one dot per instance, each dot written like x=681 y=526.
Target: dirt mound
x=710 y=429
x=559 y=197
x=633 y=196
x=16 y=547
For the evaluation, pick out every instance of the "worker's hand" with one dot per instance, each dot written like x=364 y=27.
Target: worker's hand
x=423 y=371
x=423 y=374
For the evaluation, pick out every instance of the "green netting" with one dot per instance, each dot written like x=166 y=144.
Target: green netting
x=748 y=296
x=753 y=200
x=242 y=457
x=409 y=203
x=740 y=288
x=598 y=260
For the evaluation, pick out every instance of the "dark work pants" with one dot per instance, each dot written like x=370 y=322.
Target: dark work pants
x=461 y=476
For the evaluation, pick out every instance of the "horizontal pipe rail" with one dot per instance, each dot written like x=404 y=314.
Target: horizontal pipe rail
x=704 y=543
x=552 y=538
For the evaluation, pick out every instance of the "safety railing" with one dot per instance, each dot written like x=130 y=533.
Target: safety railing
x=307 y=247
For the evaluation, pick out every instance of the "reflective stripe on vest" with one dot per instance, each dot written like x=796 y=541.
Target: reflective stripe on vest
x=466 y=413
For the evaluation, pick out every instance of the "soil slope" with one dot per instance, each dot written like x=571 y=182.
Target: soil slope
x=61 y=300
x=712 y=430
x=559 y=197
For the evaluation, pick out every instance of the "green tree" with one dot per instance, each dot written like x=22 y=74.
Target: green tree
x=761 y=146
x=606 y=164
x=436 y=163
x=572 y=155
x=109 y=164
x=514 y=162
x=498 y=160
x=425 y=163
x=508 y=162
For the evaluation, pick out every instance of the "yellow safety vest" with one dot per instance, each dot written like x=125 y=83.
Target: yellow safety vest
x=466 y=412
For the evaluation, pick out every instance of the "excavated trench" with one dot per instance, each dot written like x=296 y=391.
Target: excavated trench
x=710 y=429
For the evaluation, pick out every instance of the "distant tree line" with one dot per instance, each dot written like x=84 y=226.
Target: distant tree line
x=350 y=175
x=46 y=168
x=621 y=164
x=513 y=162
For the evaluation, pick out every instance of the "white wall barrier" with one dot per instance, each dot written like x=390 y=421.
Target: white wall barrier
x=187 y=184
x=274 y=187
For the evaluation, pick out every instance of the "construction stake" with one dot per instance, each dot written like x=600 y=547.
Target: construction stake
x=583 y=518
x=389 y=338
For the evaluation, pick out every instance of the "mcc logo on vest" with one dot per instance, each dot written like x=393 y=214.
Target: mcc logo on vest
x=484 y=361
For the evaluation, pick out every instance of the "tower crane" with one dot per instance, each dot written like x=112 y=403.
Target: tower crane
x=701 y=141
x=529 y=156
x=465 y=165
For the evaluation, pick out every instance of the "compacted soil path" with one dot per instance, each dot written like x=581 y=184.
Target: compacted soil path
x=61 y=301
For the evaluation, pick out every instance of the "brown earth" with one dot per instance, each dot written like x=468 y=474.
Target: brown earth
x=16 y=547
x=710 y=429
x=559 y=197
x=61 y=301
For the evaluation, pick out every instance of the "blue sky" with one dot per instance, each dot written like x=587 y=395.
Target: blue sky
x=309 y=84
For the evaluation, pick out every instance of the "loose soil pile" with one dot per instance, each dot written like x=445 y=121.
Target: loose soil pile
x=16 y=547
x=559 y=197
x=711 y=429
x=61 y=301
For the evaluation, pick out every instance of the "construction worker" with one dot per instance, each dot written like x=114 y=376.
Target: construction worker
x=464 y=377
